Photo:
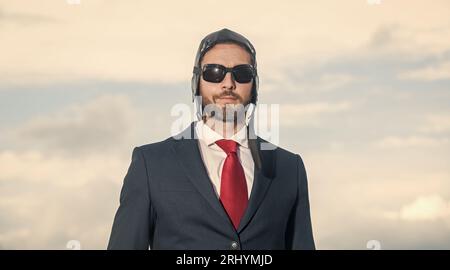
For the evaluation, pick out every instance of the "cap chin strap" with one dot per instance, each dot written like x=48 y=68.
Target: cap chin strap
x=249 y=110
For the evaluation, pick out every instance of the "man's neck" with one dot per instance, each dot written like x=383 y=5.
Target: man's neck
x=224 y=128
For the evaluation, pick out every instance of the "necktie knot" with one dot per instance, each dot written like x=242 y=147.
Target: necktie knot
x=229 y=146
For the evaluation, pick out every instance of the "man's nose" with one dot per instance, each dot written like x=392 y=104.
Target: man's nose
x=228 y=82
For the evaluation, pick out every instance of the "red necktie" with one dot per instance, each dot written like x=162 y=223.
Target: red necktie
x=233 y=187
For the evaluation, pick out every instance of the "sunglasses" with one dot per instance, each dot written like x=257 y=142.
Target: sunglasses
x=215 y=73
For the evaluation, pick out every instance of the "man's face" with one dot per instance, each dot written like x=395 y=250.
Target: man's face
x=228 y=91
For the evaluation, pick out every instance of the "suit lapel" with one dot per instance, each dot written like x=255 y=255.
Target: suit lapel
x=264 y=173
x=188 y=155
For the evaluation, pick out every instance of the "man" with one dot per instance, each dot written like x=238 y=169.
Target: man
x=215 y=185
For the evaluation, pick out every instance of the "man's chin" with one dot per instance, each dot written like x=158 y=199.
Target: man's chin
x=223 y=103
x=230 y=113
x=226 y=112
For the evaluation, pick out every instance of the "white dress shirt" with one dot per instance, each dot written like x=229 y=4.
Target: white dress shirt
x=214 y=157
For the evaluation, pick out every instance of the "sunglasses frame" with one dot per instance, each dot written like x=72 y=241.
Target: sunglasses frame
x=197 y=70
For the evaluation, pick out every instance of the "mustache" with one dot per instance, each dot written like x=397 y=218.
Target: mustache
x=228 y=94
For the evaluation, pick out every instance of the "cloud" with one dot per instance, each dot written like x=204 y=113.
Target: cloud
x=46 y=201
x=61 y=173
x=335 y=81
x=105 y=123
x=44 y=168
x=424 y=208
x=437 y=71
x=90 y=45
x=283 y=81
x=310 y=113
x=436 y=123
x=23 y=18
x=383 y=36
x=411 y=141
x=369 y=178
x=355 y=194
x=416 y=41
x=315 y=108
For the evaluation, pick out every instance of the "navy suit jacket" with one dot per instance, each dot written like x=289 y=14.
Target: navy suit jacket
x=168 y=202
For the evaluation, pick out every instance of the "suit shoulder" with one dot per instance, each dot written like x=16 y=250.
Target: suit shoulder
x=187 y=133
x=157 y=146
x=286 y=157
x=281 y=152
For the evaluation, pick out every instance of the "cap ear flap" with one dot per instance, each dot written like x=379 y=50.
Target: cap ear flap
x=254 y=93
x=255 y=85
x=198 y=111
x=195 y=85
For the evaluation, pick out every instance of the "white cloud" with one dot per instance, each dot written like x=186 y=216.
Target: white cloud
x=439 y=71
x=333 y=81
x=42 y=167
x=315 y=108
x=105 y=123
x=123 y=43
x=415 y=40
x=61 y=173
x=357 y=196
x=424 y=208
x=411 y=141
x=436 y=123
x=278 y=81
x=47 y=200
x=310 y=113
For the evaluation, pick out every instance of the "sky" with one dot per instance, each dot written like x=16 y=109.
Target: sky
x=363 y=88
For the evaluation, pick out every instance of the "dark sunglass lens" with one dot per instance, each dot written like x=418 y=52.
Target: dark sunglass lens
x=243 y=74
x=213 y=74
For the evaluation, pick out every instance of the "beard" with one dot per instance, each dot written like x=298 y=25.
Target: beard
x=227 y=112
